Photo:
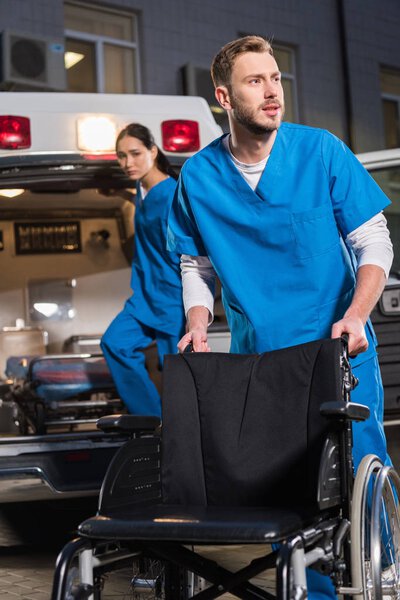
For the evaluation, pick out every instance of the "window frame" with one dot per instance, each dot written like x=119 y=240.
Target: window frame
x=395 y=98
x=99 y=41
x=291 y=76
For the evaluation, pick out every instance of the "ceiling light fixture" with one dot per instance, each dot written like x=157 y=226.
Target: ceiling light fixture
x=72 y=58
x=11 y=193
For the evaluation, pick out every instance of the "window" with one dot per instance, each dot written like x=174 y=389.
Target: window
x=285 y=58
x=101 y=50
x=390 y=90
x=197 y=82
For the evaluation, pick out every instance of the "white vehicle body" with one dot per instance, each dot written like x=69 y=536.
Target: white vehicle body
x=55 y=117
x=384 y=166
x=66 y=242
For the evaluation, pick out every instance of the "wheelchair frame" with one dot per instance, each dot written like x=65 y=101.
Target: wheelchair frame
x=354 y=540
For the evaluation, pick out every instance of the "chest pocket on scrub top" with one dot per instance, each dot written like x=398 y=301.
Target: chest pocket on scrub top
x=315 y=231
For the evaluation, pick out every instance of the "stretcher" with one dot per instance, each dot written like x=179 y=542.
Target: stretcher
x=64 y=390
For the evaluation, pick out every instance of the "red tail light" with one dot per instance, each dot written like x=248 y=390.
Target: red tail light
x=180 y=136
x=15 y=132
x=78 y=456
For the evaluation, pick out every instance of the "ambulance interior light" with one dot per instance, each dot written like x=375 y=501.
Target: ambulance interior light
x=180 y=135
x=15 y=132
x=12 y=193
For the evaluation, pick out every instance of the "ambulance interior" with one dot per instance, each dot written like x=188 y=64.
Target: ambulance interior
x=65 y=259
x=65 y=263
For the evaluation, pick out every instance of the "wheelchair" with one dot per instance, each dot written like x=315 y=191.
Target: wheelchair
x=253 y=451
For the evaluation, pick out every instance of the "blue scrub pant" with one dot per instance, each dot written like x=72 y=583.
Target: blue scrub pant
x=368 y=438
x=122 y=345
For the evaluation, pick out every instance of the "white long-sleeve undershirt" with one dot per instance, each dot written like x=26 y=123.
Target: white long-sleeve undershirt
x=370 y=243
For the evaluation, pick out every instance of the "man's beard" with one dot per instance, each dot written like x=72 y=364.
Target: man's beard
x=245 y=117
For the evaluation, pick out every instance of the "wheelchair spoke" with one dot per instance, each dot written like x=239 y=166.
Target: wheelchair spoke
x=148 y=580
x=375 y=532
x=361 y=568
x=385 y=535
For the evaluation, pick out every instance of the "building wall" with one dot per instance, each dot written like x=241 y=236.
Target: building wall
x=176 y=32
x=373 y=40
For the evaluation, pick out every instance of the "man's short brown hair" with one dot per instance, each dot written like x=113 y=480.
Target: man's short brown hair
x=222 y=64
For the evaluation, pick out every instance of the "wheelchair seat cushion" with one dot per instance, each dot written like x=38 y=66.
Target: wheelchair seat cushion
x=197 y=524
x=246 y=430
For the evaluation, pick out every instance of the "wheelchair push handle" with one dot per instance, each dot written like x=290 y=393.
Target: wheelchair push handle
x=353 y=381
x=346 y=409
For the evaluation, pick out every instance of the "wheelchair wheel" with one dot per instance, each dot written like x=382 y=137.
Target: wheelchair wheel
x=157 y=580
x=361 y=525
x=375 y=530
x=148 y=579
x=385 y=535
x=75 y=590
x=73 y=581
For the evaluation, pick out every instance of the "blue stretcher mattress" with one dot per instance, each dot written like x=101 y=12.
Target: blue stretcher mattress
x=59 y=378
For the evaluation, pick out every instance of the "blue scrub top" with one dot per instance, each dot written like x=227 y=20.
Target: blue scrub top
x=156 y=278
x=278 y=251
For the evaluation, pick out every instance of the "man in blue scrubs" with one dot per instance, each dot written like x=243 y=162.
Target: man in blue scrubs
x=292 y=224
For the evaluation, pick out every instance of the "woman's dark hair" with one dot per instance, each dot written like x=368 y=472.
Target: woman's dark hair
x=146 y=137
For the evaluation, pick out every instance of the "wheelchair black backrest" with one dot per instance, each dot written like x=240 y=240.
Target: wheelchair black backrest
x=246 y=430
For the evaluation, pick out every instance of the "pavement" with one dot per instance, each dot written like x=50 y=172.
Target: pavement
x=31 y=537
x=27 y=574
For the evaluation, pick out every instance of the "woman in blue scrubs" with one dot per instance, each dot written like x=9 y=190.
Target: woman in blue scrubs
x=154 y=311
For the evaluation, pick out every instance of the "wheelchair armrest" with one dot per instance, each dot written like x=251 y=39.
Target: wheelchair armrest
x=345 y=410
x=128 y=423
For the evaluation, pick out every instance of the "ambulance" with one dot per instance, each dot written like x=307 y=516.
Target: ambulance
x=66 y=246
